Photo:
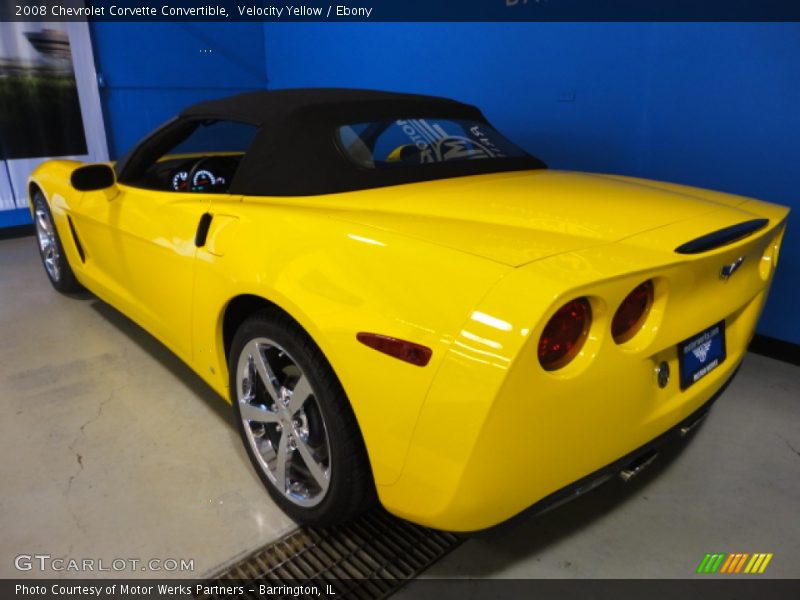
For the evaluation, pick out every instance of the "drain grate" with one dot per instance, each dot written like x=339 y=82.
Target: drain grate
x=368 y=558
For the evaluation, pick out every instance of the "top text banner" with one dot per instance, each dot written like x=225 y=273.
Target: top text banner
x=400 y=10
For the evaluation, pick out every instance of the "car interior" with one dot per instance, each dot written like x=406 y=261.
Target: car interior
x=208 y=173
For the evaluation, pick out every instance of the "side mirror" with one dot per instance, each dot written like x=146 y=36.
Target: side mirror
x=90 y=178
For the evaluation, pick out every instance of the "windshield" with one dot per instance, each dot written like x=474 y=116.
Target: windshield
x=386 y=144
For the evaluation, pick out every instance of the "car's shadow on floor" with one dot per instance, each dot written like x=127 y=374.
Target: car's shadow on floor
x=164 y=356
x=524 y=538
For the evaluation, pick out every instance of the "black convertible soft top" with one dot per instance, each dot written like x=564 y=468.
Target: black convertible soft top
x=295 y=152
x=273 y=107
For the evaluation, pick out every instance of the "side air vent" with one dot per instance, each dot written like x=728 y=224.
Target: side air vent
x=723 y=237
x=75 y=239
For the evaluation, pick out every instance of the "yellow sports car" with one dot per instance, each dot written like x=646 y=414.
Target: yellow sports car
x=403 y=306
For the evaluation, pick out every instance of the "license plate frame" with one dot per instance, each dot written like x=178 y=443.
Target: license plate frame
x=701 y=354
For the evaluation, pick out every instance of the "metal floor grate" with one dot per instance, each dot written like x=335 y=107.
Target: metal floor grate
x=368 y=558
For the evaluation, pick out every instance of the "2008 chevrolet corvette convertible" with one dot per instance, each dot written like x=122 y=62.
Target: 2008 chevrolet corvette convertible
x=402 y=305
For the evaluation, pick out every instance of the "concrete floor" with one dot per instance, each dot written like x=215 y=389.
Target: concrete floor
x=112 y=448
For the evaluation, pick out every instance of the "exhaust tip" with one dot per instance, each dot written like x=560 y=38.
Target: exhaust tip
x=686 y=429
x=637 y=466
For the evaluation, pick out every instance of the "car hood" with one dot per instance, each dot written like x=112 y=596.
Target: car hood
x=516 y=218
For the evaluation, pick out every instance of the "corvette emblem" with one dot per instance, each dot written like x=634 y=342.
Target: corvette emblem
x=701 y=352
x=727 y=270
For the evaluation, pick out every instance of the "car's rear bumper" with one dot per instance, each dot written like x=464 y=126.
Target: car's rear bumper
x=626 y=467
x=483 y=499
x=497 y=434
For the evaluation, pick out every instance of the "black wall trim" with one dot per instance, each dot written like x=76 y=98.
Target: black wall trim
x=775 y=348
x=7 y=233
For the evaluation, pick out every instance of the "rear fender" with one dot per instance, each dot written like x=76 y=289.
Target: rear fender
x=337 y=279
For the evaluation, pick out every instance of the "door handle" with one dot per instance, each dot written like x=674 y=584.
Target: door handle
x=202 y=230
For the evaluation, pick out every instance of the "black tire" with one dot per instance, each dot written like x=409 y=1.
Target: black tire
x=51 y=250
x=289 y=354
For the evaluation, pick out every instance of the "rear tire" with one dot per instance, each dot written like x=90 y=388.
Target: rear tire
x=51 y=249
x=296 y=423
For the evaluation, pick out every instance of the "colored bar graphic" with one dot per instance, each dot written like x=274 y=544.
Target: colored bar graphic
x=717 y=562
x=741 y=562
x=724 y=563
x=701 y=568
x=728 y=563
x=734 y=560
x=766 y=562
x=754 y=563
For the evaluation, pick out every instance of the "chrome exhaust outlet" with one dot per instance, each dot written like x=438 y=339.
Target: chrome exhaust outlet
x=684 y=431
x=637 y=466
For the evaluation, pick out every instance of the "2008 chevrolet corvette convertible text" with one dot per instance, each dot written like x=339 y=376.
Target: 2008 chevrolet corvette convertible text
x=402 y=305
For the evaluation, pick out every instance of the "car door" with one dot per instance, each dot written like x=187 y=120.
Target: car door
x=141 y=235
x=140 y=250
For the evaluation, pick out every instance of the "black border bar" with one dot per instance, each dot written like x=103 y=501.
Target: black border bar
x=402 y=10
x=700 y=587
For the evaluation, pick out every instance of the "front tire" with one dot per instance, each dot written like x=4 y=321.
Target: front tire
x=51 y=249
x=296 y=423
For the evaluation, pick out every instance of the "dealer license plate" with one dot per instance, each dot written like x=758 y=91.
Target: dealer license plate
x=701 y=354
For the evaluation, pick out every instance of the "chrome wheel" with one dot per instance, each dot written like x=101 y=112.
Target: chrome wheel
x=48 y=244
x=282 y=422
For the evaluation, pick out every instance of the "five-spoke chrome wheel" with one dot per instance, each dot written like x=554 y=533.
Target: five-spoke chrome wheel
x=51 y=248
x=296 y=421
x=282 y=422
x=48 y=245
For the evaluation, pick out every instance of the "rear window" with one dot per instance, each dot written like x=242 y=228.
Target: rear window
x=385 y=144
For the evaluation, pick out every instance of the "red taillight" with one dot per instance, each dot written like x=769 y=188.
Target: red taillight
x=632 y=313
x=416 y=354
x=564 y=334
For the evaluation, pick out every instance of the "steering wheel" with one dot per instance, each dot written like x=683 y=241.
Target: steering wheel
x=195 y=168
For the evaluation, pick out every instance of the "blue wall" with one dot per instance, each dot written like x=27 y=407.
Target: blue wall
x=151 y=71
x=713 y=105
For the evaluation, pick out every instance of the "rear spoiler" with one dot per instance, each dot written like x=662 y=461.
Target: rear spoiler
x=722 y=237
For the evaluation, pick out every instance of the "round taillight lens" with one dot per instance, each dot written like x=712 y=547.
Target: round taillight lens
x=632 y=313
x=564 y=334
